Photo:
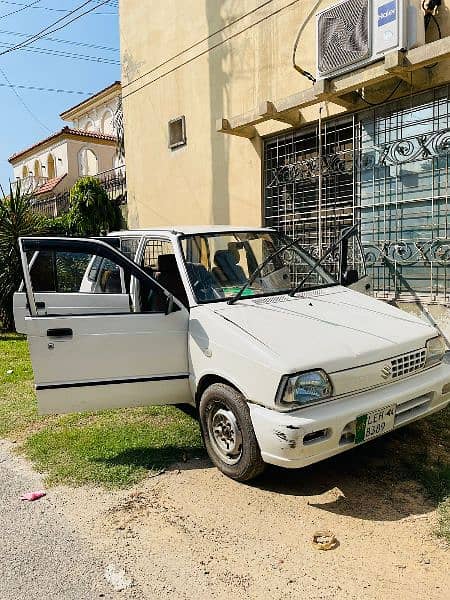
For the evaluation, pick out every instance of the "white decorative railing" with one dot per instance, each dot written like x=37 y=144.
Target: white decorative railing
x=29 y=184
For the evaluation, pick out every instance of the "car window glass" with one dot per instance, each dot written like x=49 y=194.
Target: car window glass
x=129 y=246
x=220 y=264
x=69 y=272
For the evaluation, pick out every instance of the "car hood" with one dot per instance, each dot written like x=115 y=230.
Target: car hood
x=333 y=328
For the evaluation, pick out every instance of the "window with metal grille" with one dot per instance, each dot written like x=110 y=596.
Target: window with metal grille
x=403 y=170
x=387 y=168
x=291 y=203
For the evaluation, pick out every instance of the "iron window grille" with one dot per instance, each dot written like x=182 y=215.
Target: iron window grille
x=386 y=168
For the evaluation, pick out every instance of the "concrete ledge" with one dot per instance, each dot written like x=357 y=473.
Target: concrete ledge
x=341 y=90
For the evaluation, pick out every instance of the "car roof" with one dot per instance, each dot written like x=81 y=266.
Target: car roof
x=188 y=230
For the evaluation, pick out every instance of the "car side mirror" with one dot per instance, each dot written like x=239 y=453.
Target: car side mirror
x=349 y=277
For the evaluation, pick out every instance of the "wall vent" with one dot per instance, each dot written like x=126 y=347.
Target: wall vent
x=177 y=132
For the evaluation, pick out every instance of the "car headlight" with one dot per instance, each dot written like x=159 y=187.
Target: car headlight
x=304 y=389
x=436 y=348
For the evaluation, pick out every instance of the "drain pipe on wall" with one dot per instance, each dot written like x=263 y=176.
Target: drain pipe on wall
x=319 y=207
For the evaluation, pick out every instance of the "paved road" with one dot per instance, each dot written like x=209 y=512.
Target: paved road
x=40 y=555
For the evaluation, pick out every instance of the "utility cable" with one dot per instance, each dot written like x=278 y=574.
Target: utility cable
x=300 y=30
x=35 y=36
x=62 y=41
x=20 y=86
x=50 y=8
x=24 y=7
x=381 y=101
x=47 y=30
x=230 y=37
x=65 y=54
x=430 y=7
x=22 y=101
x=205 y=39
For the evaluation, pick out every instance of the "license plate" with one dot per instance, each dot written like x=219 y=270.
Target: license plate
x=374 y=423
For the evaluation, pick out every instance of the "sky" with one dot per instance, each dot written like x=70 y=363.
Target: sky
x=38 y=66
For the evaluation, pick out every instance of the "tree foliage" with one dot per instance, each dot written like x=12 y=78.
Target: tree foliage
x=17 y=219
x=91 y=211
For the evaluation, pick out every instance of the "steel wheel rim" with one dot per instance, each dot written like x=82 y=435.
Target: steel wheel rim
x=225 y=434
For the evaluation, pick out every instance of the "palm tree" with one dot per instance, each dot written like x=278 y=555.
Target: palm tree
x=17 y=219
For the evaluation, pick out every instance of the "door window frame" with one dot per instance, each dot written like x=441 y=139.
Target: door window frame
x=89 y=246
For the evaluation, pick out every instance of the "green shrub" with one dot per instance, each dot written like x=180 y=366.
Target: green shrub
x=17 y=219
x=59 y=226
x=91 y=211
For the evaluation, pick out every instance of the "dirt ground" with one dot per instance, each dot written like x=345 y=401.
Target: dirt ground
x=193 y=533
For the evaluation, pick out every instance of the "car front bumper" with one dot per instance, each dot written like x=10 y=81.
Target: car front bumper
x=309 y=435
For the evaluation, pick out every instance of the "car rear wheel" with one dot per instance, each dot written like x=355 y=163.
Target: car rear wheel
x=228 y=433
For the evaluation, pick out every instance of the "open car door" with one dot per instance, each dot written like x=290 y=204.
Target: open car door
x=352 y=264
x=121 y=341
x=50 y=290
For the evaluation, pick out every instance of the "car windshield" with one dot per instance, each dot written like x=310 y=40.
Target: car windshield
x=219 y=264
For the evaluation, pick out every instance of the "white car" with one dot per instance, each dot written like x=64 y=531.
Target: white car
x=285 y=365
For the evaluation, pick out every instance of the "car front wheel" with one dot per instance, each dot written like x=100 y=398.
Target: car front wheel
x=228 y=433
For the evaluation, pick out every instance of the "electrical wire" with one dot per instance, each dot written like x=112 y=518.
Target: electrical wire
x=381 y=101
x=297 y=67
x=49 y=8
x=36 y=35
x=205 y=39
x=436 y=22
x=19 y=86
x=232 y=36
x=65 y=54
x=429 y=15
x=31 y=6
x=24 y=7
x=61 y=41
x=45 y=31
x=22 y=101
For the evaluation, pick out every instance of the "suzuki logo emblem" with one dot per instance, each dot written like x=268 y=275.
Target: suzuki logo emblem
x=386 y=372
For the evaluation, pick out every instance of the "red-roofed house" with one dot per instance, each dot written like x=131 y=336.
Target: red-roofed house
x=88 y=146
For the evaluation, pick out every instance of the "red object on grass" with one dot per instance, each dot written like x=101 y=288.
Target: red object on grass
x=30 y=496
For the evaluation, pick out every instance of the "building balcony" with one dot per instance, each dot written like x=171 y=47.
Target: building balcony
x=29 y=184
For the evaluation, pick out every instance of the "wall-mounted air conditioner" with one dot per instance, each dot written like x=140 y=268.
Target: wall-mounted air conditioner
x=354 y=33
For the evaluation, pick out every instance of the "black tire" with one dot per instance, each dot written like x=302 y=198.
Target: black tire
x=246 y=463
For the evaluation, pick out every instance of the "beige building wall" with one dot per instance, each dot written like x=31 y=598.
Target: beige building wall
x=57 y=150
x=66 y=155
x=215 y=178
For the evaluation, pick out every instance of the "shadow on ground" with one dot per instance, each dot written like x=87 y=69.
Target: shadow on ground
x=383 y=480
x=403 y=473
x=154 y=459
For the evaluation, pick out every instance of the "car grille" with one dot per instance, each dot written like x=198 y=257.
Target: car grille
x=408 y=363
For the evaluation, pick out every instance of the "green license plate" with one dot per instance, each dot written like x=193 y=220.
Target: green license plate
x=374 y=423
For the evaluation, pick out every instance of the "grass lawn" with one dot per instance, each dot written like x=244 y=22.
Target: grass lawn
x=113 y=448
x=118 y=448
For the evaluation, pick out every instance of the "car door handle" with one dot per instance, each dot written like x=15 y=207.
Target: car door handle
x=60 y=332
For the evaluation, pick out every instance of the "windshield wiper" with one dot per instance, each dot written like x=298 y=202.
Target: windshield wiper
x=259 y=268
x=347 y=233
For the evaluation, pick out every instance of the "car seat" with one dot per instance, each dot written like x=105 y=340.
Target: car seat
x=169 y=277
x=228 y=270
x=206 y=287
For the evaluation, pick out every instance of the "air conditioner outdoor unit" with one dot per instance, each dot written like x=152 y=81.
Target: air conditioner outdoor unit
x=354 y=33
